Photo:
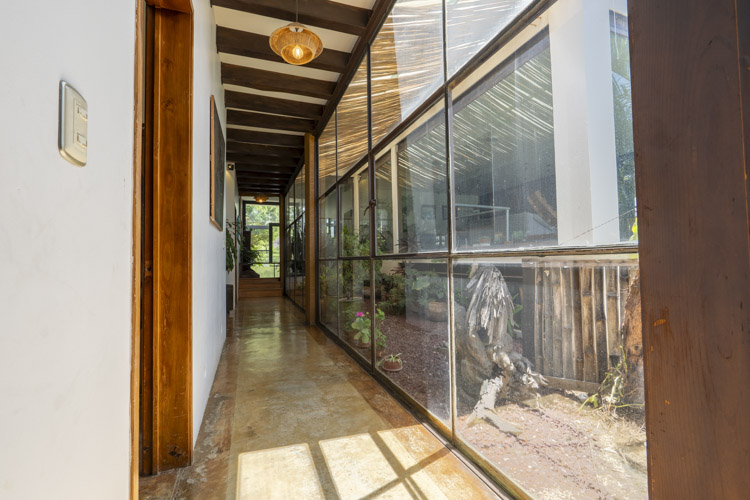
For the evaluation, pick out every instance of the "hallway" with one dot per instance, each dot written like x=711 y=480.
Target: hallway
x=291 y=416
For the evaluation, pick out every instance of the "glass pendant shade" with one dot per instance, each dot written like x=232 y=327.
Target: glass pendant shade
x=261 y=198
x=296 y=44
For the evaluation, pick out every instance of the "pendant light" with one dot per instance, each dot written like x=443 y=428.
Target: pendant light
x=294 y=43
x=261 y=198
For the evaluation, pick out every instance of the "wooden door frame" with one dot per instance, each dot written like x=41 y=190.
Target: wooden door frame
x=173 y=93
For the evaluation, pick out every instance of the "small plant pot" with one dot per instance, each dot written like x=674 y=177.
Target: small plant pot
x=437 y=311
x=392 y=366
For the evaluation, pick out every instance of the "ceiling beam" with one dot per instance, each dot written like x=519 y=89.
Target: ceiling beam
x=244 y=43
x=250 y=176
x=268 y=138
x=261 y=120
x=270 y=161
x=262 y=149
x=252 y=102
x=263 y=168
x=266 y=189
x=379 y=13
x=275 y=82
x=322 y=13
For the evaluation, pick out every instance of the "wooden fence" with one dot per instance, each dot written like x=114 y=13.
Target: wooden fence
x=574 y=314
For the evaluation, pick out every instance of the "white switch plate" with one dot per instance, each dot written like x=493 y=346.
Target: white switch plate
x=74 y=118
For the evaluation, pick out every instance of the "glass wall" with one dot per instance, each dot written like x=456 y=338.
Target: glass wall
x=294 y=283
x=503 y=239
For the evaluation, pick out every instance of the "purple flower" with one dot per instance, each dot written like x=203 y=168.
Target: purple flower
x=360 y=314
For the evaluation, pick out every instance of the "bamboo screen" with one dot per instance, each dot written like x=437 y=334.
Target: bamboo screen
x=406 y=62
x=327 y=156
x=472 y=23
x=351 y=112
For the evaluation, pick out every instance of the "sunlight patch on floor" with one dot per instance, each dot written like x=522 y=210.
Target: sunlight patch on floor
x=278 y=473
x=376 y=465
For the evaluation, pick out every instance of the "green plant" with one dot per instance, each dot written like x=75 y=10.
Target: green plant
x=611 y=394
x=427 y=286
x=394 y=285
x=362 y=325
x=236 y=247
x=391 y=358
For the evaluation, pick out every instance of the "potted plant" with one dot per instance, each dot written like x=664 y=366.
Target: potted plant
x=391 y=363
x=430 y=295
x=362 y=325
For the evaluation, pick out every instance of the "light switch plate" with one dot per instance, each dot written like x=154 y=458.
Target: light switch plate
x=74 y=118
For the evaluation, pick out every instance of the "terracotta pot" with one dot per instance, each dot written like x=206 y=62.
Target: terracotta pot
x=392 y=366
x=437 y=311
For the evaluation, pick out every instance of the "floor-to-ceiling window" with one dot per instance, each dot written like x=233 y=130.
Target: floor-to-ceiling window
x=294 y=256
x=494 y=280
x=262 y=236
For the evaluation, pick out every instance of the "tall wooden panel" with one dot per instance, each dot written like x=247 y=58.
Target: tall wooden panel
x=690 y=66
x=172 y=228
x=311 y=210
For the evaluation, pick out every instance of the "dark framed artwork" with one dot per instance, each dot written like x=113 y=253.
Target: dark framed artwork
x=218 y=161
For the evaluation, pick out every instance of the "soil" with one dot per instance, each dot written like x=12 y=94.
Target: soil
x=563 y=451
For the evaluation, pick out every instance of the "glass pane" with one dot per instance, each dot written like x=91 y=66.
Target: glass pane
x=328 y=292
x=299 y=194
x=355 y=221
x=327 y=156
x=623 y=107
x=504 y=157
x=384 y=211
x=422 y=196
x=407 y=62
x=354 y=305
x=276 y=244
x=328 y=232
x=471 y=24
x=289 y=205
x=288 y=262
x=299 y=264
x=351 y=144
x=563 y=415
x=411 y=334
x=260 y=215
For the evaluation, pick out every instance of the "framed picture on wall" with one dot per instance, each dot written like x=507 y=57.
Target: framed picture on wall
x=218 y=161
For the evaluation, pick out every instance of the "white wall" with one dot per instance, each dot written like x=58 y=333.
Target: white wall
x=65 y=262
x=209 y=258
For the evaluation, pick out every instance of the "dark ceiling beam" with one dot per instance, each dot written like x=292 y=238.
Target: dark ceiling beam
x=271 y=161
x=267 y=189
x=263 y=168
x=321 y=13
x=379 y=13
x=277 y=178
x=252 y=102
x=243 y=76
x=244 y=43
x=267 y=138
x=261 y=120
x=262 y=149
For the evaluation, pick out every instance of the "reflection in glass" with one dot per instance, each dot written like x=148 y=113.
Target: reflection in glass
x=422 y=195
x=327 y=225
x=412 y=327
x=327 y=156
x=384 y=209
x=355 y=219
x=504 y=157
x=299 y=193
x=354 y=305
x=351 y=112
x=471 y=24
x=299 y=263
x=288 y=252
x=289 y=205
x=329 y=295
x=561 y=323
x=406 y=62
x=623 y=107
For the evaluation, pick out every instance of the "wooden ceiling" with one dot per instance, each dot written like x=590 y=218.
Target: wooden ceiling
x=271 y=104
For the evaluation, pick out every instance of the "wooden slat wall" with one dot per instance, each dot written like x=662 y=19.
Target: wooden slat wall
x=690 y=71
x=172 y=275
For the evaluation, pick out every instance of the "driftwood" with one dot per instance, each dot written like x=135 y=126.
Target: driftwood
x=489 y=367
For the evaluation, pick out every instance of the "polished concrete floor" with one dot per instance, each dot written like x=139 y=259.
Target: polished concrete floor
x=291 y=416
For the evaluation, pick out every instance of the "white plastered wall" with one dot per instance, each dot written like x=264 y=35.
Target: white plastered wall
x=209 y=258
x=65 y=252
